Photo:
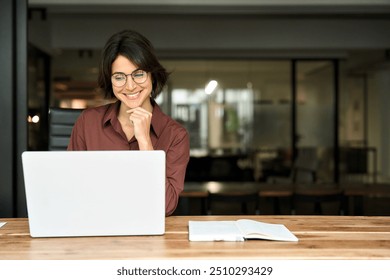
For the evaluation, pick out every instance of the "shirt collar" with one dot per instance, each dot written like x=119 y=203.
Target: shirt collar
x=111 y=113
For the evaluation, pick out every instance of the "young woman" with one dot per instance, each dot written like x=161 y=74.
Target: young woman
x=131 y=73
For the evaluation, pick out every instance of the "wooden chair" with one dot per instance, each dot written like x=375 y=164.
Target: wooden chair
x=192 y=192
x=303 y=170
x=317 y=195
x=232 y=192
x=275 y=192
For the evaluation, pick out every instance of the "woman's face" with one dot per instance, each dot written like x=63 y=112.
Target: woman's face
x=131 y=94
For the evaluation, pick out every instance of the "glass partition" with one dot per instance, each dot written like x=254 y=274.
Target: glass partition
x=247 y=113
x=315 y=115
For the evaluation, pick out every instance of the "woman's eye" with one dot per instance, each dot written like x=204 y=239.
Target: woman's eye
x=138 y=75
x=119 y=77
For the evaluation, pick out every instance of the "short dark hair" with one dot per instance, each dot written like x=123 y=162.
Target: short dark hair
x=139 y=51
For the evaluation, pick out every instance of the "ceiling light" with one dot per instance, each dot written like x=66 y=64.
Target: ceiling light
x=211 y=87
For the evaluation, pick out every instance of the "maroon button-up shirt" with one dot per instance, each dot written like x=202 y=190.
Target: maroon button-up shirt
x=99 y=129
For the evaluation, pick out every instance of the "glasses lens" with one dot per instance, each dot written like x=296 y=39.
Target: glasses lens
x=118 y=79
x=139 y=76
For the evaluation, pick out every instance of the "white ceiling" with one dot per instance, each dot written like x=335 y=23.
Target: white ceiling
x=216 y=6
x=82 y=11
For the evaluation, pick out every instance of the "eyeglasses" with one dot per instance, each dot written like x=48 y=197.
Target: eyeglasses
x=120 y=79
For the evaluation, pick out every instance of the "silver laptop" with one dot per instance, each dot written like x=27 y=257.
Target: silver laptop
x=95 y=193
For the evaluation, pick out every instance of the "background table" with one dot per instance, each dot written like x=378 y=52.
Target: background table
x=350 y=196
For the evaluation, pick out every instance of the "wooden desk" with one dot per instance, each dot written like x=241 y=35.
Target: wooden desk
x=370 y=190
x=358 y=191
x=320 y=237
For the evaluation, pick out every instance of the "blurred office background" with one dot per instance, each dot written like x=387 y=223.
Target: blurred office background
x=292 y=78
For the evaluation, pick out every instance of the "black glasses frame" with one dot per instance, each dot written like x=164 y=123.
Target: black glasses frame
x=133 y=77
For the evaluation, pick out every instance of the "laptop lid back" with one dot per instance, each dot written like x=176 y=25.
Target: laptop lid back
x=95 y=193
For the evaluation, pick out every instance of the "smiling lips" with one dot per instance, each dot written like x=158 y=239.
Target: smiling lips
x=133 y=95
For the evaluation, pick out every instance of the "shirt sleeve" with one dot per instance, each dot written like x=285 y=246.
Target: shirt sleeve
x=177 y=158
x=77 y=139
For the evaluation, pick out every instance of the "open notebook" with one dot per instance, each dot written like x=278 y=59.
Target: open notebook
x=95 y=193
x=239 y=230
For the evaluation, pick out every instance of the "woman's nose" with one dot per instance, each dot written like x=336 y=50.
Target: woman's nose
x=130 y=84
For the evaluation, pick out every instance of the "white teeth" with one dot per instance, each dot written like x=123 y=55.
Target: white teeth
x=132 y=94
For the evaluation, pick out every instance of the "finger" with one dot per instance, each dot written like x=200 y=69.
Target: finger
x=140 y=116
x=140 y=119
x=138 y=110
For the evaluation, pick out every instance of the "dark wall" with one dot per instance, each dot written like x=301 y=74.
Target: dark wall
x=13 y=105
